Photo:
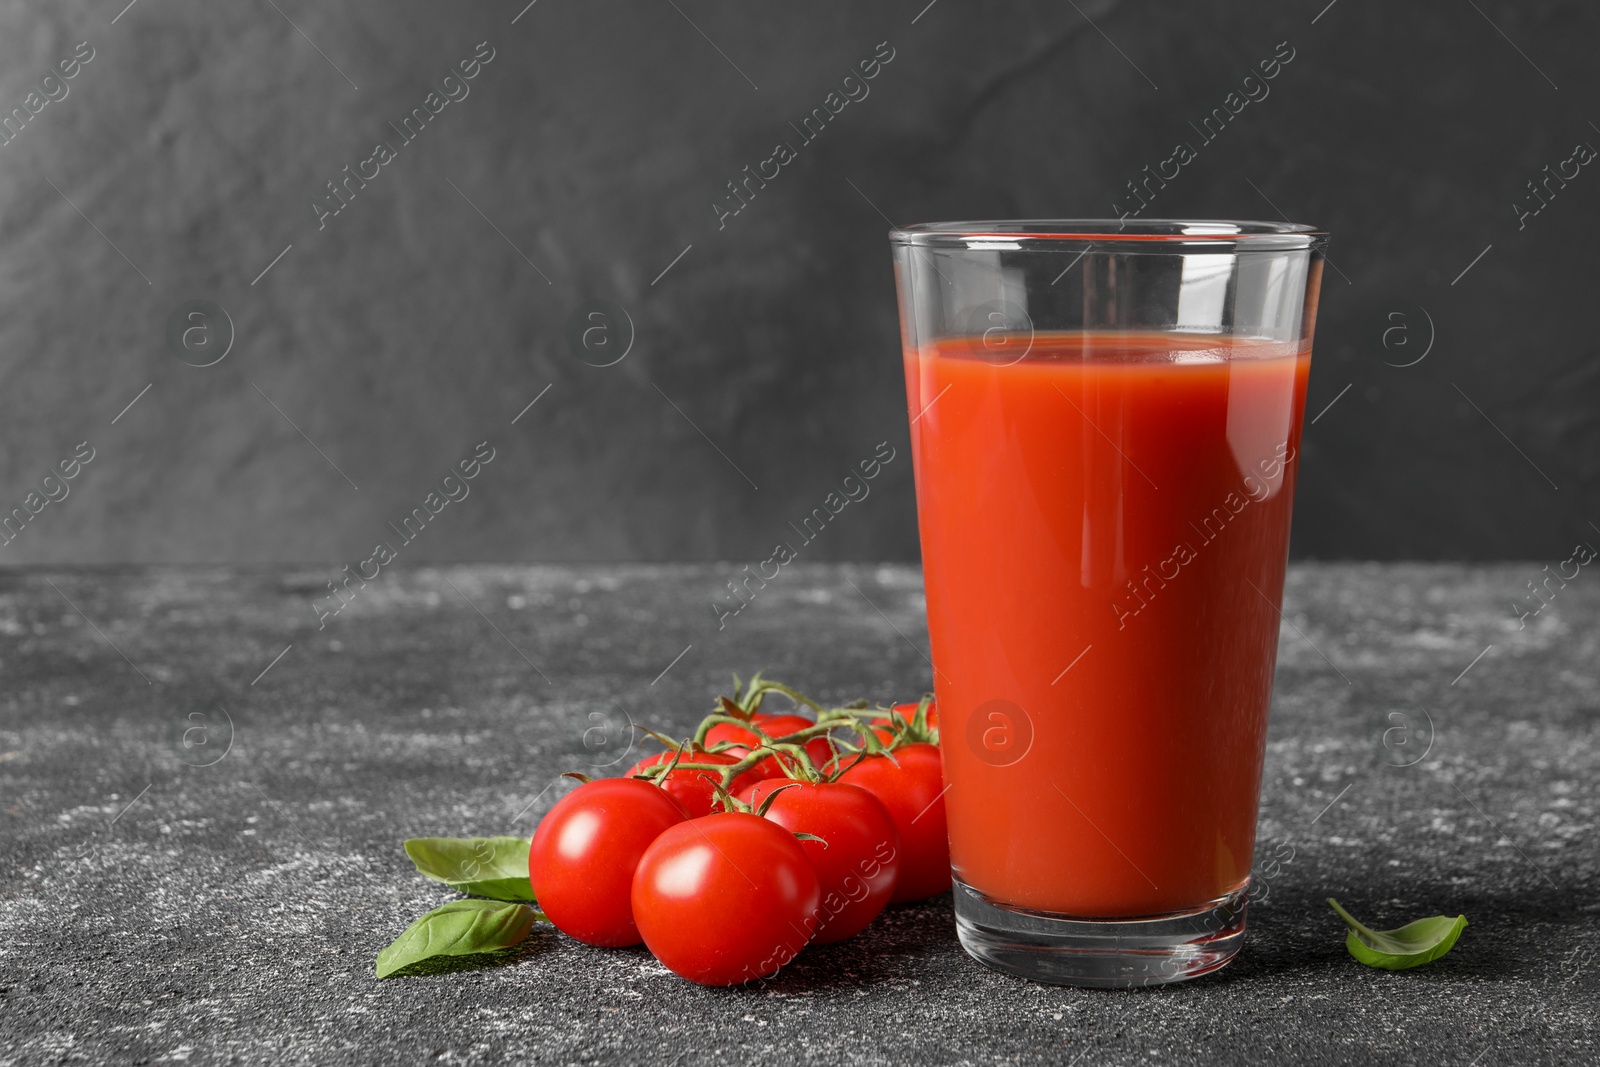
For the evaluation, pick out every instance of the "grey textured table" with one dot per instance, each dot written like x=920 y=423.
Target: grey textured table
x=155 y=910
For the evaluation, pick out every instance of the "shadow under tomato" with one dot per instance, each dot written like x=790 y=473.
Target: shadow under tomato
x=899 y=941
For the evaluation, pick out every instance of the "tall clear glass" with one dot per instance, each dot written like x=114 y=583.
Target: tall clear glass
x=1105 y=426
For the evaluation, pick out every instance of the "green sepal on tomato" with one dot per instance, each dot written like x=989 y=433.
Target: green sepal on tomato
x=739 y=741
x=693 y=787
x=910 y=722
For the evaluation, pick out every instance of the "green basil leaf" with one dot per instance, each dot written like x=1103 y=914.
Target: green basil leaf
x=459 y=928
x=494 y=867
x=1411 y=945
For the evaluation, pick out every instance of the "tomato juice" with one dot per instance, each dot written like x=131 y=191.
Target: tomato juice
x=1116 y=505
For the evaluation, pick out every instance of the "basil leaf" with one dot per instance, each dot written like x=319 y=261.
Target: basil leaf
x=458 y=928
x=1411 y=945
x=494 y=867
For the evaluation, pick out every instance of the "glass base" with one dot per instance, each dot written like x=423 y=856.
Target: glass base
x=1100 y=953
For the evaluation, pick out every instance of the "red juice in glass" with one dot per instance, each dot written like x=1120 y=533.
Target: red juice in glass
x=1144 y=482
x=1104 y=514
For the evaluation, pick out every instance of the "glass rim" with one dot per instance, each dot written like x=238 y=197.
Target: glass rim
x=1130 y=235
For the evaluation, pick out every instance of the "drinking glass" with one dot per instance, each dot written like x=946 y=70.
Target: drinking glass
x=1105 y=428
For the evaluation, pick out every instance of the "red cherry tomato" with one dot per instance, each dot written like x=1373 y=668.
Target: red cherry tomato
x=911 y=786
x=696 y=790
x=584 y=853
x=776 y=727
x=725 y=899
x=858 y=867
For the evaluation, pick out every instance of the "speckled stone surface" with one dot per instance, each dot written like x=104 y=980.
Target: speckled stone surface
x=153 y=910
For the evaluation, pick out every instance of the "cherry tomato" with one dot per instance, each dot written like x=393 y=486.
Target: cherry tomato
x=696 y=790
x=911 y=786
x=725 y=899
x=858 y=866
x=584 y=853
x=776 y=727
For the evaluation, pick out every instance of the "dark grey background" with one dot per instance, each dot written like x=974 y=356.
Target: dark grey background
x=585 y=161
